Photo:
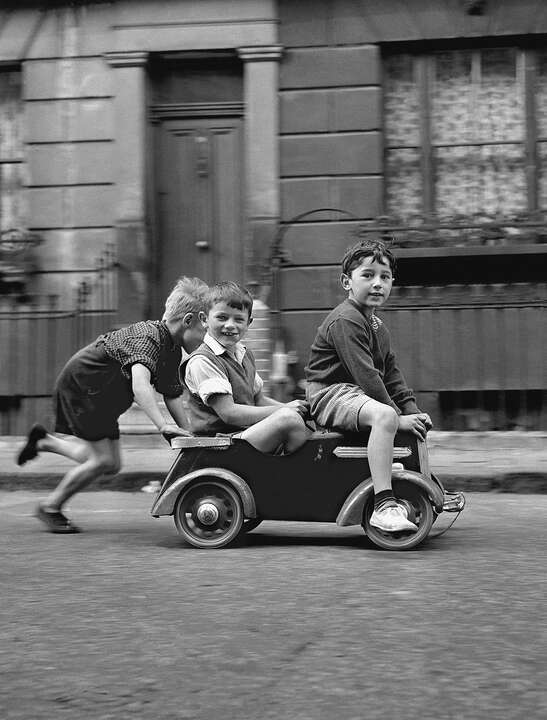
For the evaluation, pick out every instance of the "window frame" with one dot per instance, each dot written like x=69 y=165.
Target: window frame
x=526 y=54
x=14 y=159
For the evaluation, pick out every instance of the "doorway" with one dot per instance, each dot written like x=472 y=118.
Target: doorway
x=198 y=171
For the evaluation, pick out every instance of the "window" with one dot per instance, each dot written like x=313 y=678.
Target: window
x=466 y=133
x=12 y=168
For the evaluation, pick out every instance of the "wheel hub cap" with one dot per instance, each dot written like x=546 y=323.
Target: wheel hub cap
x=207 y=513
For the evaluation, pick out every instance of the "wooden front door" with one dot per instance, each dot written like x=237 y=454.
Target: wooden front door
x=199 y=201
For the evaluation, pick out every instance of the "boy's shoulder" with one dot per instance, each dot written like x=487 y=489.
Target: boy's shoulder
x=350 y=312
x=346 y=310
x=247 y=355
x=202 y=349
x=141 y=330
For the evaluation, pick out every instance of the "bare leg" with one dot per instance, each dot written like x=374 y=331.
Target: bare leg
x=103 y=458
x=382 y=419
x=70 y=447
x=284 y=427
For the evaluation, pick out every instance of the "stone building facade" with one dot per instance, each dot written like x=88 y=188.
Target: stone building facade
x=254 y=139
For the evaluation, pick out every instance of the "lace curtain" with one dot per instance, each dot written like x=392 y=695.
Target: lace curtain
x=470 y=111
x=12 y=168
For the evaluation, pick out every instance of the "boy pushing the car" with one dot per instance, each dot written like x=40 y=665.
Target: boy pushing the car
x=100 y=382
x=353 y=381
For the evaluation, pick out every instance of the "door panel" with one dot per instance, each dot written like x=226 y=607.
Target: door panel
x=199 y=201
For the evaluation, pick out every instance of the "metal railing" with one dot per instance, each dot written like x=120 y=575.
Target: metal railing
x=38 y=335
x=474 y=353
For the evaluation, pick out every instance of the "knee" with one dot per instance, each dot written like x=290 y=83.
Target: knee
x=108 y=466
x=386 y=418
x=288 y=419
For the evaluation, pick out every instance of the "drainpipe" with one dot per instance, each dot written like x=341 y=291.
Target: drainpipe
x=281 y=358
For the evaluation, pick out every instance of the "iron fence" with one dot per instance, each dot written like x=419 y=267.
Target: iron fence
x=38 y=335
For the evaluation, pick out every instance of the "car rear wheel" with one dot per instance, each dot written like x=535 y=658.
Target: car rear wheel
x=209 y=514
x=419 y=511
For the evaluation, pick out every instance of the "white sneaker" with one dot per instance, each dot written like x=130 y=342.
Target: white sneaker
x=154 y=486
x=391 y=518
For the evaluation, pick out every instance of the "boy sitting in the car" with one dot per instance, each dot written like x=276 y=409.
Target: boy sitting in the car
x=225 y=390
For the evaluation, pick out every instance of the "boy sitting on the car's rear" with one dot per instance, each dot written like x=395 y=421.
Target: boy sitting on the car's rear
x=353 y=380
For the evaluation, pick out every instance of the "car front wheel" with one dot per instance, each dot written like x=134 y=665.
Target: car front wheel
x=209 y=513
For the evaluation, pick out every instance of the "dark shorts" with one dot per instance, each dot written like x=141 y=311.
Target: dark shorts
x=90 y=395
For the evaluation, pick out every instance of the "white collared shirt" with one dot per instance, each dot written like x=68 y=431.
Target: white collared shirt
x=204 y=378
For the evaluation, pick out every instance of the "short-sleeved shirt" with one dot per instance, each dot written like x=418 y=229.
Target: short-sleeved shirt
x=95 y=388
x=205 y=379
x=148 y=343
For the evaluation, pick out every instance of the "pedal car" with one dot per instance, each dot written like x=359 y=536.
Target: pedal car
x=219 y=487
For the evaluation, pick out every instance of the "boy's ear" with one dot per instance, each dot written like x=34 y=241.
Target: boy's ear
x=203 y=317
x=188 y=319
x=250 y=320
x=345 y=281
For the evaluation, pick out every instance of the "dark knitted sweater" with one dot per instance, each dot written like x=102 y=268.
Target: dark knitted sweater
x=348 y=349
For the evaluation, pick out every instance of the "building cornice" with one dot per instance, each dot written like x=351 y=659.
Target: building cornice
x=127 y=59
x=257 y=53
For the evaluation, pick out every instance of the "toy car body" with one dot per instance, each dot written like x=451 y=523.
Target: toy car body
x=220 y=486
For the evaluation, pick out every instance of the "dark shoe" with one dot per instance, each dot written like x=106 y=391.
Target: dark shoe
x=55 y=520
x=30 y=451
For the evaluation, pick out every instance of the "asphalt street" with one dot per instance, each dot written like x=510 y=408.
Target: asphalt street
x=298 y=621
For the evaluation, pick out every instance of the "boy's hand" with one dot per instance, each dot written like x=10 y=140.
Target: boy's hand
x=170 y=431
x=302 y=407
x=424 y=417
x=414 y=423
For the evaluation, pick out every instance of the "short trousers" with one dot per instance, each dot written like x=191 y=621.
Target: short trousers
x=90 y=395
x=336 y=406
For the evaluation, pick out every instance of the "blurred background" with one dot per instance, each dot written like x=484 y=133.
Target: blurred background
x=255 y=140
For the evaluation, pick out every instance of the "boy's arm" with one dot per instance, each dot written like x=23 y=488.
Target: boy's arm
x=242 y=416
x=176 y=410
x=145 y=396
x=403 y=396
x=302 y=407
x=203 y=378
x=352 y=344
x=397 y=388
x=262 y=400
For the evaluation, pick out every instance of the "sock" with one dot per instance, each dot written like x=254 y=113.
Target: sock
x=384 y=497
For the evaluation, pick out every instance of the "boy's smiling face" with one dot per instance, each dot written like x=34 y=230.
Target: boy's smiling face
x=370 y=283
x=226 y=324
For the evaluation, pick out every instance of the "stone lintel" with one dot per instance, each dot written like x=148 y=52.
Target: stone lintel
x=127 y=59
x=258 y=53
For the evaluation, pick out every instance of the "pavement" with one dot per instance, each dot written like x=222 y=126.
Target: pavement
x=469 y=461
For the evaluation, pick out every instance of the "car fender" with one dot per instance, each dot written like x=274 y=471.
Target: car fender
x=352 y=509
x=165 y=504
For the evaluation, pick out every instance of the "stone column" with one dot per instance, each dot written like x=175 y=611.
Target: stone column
x=261 y=69
x=130 y=194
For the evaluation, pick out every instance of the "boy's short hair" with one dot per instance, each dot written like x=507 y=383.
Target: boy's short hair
x=188 y=296
x=367 y=248
x=232 y=294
